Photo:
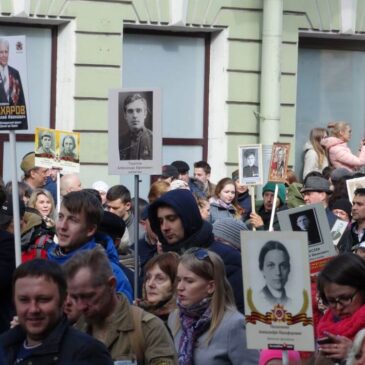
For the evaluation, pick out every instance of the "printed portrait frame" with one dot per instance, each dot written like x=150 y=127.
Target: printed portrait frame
x=278 y=173
x=283 y=325
x=120 y=146
x=58 y=160
x=253 y=175
x=353 y=184
x=318 y=252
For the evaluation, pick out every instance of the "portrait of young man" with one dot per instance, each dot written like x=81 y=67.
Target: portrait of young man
x=135 y=126
x=306 y=222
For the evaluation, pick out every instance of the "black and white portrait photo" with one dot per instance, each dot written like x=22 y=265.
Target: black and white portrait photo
x=306 y=221
x=250 y=169
x=250 y=164
x=274 y=264
x=135 y=126
x=68 y=148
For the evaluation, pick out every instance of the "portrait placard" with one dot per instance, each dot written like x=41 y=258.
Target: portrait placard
x=250 y=164
x=353 y=184
x=279 y=162
x=277 y=291
x=57 y=149
x=134 y=133
x=337 y=230
x=312 y=220
x=13 y=83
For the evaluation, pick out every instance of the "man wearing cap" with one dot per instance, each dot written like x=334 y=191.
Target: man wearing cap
x=169 y=173
x=175 y=218
x=354 y=236
x=34 y=177
x=45 y=145
x=102 y=187
x=7 y=257
x=261 y=219
x=195 y=186
x=317 y=189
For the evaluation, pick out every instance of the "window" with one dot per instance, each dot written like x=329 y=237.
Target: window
x=177 y=64
x=331 y=87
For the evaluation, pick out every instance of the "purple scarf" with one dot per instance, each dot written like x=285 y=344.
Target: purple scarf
x=195 y=320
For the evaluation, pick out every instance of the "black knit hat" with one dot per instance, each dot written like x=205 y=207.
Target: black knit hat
x=343 y=204
x=112 y=225
x=181 y=166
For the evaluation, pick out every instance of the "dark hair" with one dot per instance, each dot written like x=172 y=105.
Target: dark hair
x=359 y=191
x=167 y=262
x=269 y=246
x=248 y=153
x=93 y=192
x=203 y=165
x=40 y=267
x=70 y=137
x=77 y=202
x=134 y=97
x=345 y=269
x=119 y=192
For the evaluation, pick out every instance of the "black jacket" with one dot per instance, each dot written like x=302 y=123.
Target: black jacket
x=7 y=267
x=63 y=346
x=198 y=233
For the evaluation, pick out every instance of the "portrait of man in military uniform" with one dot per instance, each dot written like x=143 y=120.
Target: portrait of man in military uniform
x=45 y=144
x=250 y=169
x=135 y=127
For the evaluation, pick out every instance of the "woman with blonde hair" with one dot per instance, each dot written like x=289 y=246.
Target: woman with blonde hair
x=207 y=328
x=315 y=155
x=339 y=153
x=42 y=201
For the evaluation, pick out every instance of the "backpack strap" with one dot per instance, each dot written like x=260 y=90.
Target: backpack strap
x=136 y=337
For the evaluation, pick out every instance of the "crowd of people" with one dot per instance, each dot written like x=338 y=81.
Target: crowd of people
x=73 y=299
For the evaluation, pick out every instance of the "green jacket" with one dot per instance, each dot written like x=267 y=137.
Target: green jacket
x=151 y=339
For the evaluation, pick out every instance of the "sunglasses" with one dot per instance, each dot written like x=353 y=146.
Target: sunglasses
x=199 y=253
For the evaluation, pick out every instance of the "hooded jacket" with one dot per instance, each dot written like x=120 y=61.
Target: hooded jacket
x=197 y=233
x=123 y=285
x=311 y=162
x=340 y=154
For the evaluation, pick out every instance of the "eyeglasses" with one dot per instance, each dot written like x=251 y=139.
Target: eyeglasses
x=199 y=253
x=342 y=300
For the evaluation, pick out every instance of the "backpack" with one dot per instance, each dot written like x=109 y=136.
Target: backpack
x=35 y=243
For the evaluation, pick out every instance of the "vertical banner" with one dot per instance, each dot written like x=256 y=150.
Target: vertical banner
x=13 y=83
x=134 y=133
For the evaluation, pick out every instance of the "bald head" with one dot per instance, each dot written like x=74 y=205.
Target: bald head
x=70 y=182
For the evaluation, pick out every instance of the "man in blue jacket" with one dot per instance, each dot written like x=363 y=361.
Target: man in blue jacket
x=176 y=220
x=76 y=227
